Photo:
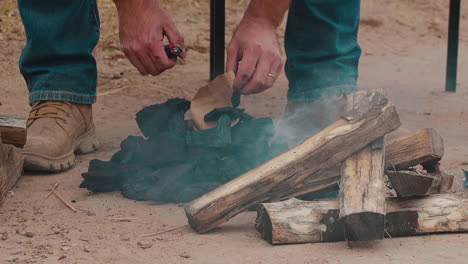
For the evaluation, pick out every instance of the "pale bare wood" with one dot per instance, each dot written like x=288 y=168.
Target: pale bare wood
x=216 y=94
x=11 y=168
x=13 y=130
x=422 y=146
x=362 y=193
x=284 y=175
x=295 y=221
x=362 y=189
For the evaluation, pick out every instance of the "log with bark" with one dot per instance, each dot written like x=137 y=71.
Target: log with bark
x=294 y=221
x=285 y=176
x=11 y=167
x=13 y=130
x=424 y=146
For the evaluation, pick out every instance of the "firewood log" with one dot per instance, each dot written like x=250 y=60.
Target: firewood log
x=13 y=130
x=11 y=167
x=424 y=146
x=373 y=117
x=362 y=189
x=362 y=193
x=294 y=221
x=412 y=183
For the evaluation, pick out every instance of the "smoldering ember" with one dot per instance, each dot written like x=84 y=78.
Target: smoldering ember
x=260 y=131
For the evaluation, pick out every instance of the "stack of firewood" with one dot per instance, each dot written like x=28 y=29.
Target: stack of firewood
x=353 y=154
x=12 y=135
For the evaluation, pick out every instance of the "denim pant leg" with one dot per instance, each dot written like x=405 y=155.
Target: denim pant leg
x=321 y=48
x=57 y=61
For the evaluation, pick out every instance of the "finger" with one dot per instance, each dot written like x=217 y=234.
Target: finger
x=160 y=57
x=146 y=59
x=275 y=70
x=246 y=69
x=175 y=37
x=232 y=60
x=136 y=62
x=258 y=82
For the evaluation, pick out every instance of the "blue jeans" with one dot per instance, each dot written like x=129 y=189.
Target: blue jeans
x=321 y=48
x=57 y=61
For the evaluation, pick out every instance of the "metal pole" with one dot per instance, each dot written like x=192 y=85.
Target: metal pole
x=217 y=28
x=452 y=49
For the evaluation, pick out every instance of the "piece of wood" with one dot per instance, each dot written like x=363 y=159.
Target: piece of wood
x=294 y=221
x=422 y=146
x=362 y=193
x=13 y=130
x=409 y=183
x=216 y=94
x=281 y=177
x=11 y=168
x=362 y=189
x=417 y=183
x=411 y=143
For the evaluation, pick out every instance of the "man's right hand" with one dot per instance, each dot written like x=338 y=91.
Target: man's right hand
x=143 y=24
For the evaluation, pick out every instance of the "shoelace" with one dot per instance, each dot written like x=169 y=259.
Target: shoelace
x=50 y=113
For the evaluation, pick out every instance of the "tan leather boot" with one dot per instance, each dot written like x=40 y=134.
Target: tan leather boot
x=56 y=130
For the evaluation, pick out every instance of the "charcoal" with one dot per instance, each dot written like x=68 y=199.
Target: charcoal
x=175 y=162
x=162 y=117
x=233 y=113
x=219 y=136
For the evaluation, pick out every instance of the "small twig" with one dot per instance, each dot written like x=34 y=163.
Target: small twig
x=388 y=234
x=51 y=191
x=163 y=232
x=64 y=201
x=120 y=219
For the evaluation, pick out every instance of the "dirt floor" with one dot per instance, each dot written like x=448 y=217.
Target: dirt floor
x=404 y=46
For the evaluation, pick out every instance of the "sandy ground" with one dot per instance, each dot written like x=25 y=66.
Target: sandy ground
x=404 y=45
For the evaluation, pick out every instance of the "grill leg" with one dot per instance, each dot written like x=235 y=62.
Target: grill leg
x=217 y=29
x=452 y=50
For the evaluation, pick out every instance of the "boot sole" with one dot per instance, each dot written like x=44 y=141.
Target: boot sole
x=84 y=144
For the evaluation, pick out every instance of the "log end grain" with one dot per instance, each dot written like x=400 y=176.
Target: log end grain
x=364 y=226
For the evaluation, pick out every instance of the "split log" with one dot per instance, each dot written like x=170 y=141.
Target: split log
x=412 y=144
x=295 y=221
x=362 y=189
x=373 y=117
x=11 y=167
x=362 y=193
x=13 y=130
x=424 y=146
x=414 y=183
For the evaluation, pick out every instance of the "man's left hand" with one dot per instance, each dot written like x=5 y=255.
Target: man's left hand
x=254 y=55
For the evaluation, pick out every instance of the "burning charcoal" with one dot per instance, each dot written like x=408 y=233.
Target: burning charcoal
x=161 y=185
x=246 y=132
x=177 y=164
x=218 y=137
x=156 y=118
x=106 y=176
x=235 y=99
x=233 y=113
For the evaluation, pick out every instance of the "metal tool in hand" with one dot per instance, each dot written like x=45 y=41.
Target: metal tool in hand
x=173 y=50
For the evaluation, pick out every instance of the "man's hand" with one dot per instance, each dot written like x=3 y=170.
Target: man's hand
x=254 y=53
x=142 y=27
